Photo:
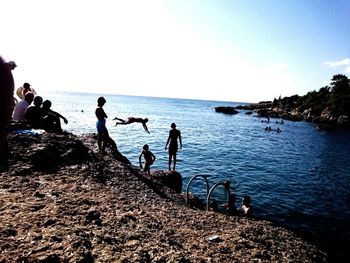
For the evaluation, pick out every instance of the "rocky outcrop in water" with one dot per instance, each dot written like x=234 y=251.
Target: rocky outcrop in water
x=61 y=201
x=226 y=110
x=171 y=179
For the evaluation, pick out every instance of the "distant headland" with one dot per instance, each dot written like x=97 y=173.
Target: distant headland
x=330 y=105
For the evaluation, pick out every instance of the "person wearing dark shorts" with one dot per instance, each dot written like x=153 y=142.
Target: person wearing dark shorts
x=173 y=138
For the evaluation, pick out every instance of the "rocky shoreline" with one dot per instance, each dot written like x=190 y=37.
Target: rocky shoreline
x=328 y=107
x=267 y=109
x=61 y=201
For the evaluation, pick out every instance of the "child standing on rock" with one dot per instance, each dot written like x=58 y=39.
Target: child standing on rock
x=103 y=135
x=149 y=158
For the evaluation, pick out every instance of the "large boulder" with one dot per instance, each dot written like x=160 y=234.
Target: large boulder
x=226 y=110
x=171 y=179
x=326 y=113
x=48 y=152
x=322 y=120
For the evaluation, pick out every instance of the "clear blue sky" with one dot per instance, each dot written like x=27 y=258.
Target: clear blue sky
x=229 y=50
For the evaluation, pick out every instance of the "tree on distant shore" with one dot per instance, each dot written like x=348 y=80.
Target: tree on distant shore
x=340 y=94
x=335 y=96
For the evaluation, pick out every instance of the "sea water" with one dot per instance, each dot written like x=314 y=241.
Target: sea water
x=298 y=178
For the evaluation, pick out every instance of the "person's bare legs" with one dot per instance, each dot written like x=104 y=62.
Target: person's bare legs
x=116 y=118
x=169 y=162
x=129 y=120
x=174 y=156
x=121 y=121
x=101 y=142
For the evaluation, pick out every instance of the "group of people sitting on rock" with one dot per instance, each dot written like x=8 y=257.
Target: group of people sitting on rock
x=39 y=115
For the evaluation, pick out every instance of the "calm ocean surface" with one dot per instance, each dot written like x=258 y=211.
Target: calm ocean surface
x=298 y=178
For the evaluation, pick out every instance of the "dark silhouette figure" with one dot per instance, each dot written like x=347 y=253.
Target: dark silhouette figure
x=246 y=209
x=130 y=120
x=22 y=91
x=34 y=114
x=174 y=136
x=51 y=119
x=103 y=135
x=230 y=207
x=6 y=108
x=149 y=158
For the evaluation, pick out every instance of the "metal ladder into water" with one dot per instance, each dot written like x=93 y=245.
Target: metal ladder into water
x=225 y=184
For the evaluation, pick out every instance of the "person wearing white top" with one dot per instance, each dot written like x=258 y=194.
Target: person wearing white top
x=21 y=107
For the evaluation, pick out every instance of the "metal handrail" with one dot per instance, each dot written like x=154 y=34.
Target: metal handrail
x=190 y=181
x=226 y=185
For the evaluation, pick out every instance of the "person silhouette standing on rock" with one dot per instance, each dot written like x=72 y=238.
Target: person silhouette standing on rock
x=174 y=136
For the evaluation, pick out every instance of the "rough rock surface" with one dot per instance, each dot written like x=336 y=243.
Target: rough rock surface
x=60 y=201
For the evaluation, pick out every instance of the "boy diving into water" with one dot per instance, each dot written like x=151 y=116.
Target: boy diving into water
x=130 y=120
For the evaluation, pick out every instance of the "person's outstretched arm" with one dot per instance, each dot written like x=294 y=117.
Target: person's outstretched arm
x=145 y=127
x=65 y=120
x=180 y=139
x=167 y=142
x=140 y=159
x=62 y=117
x=55 y=113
